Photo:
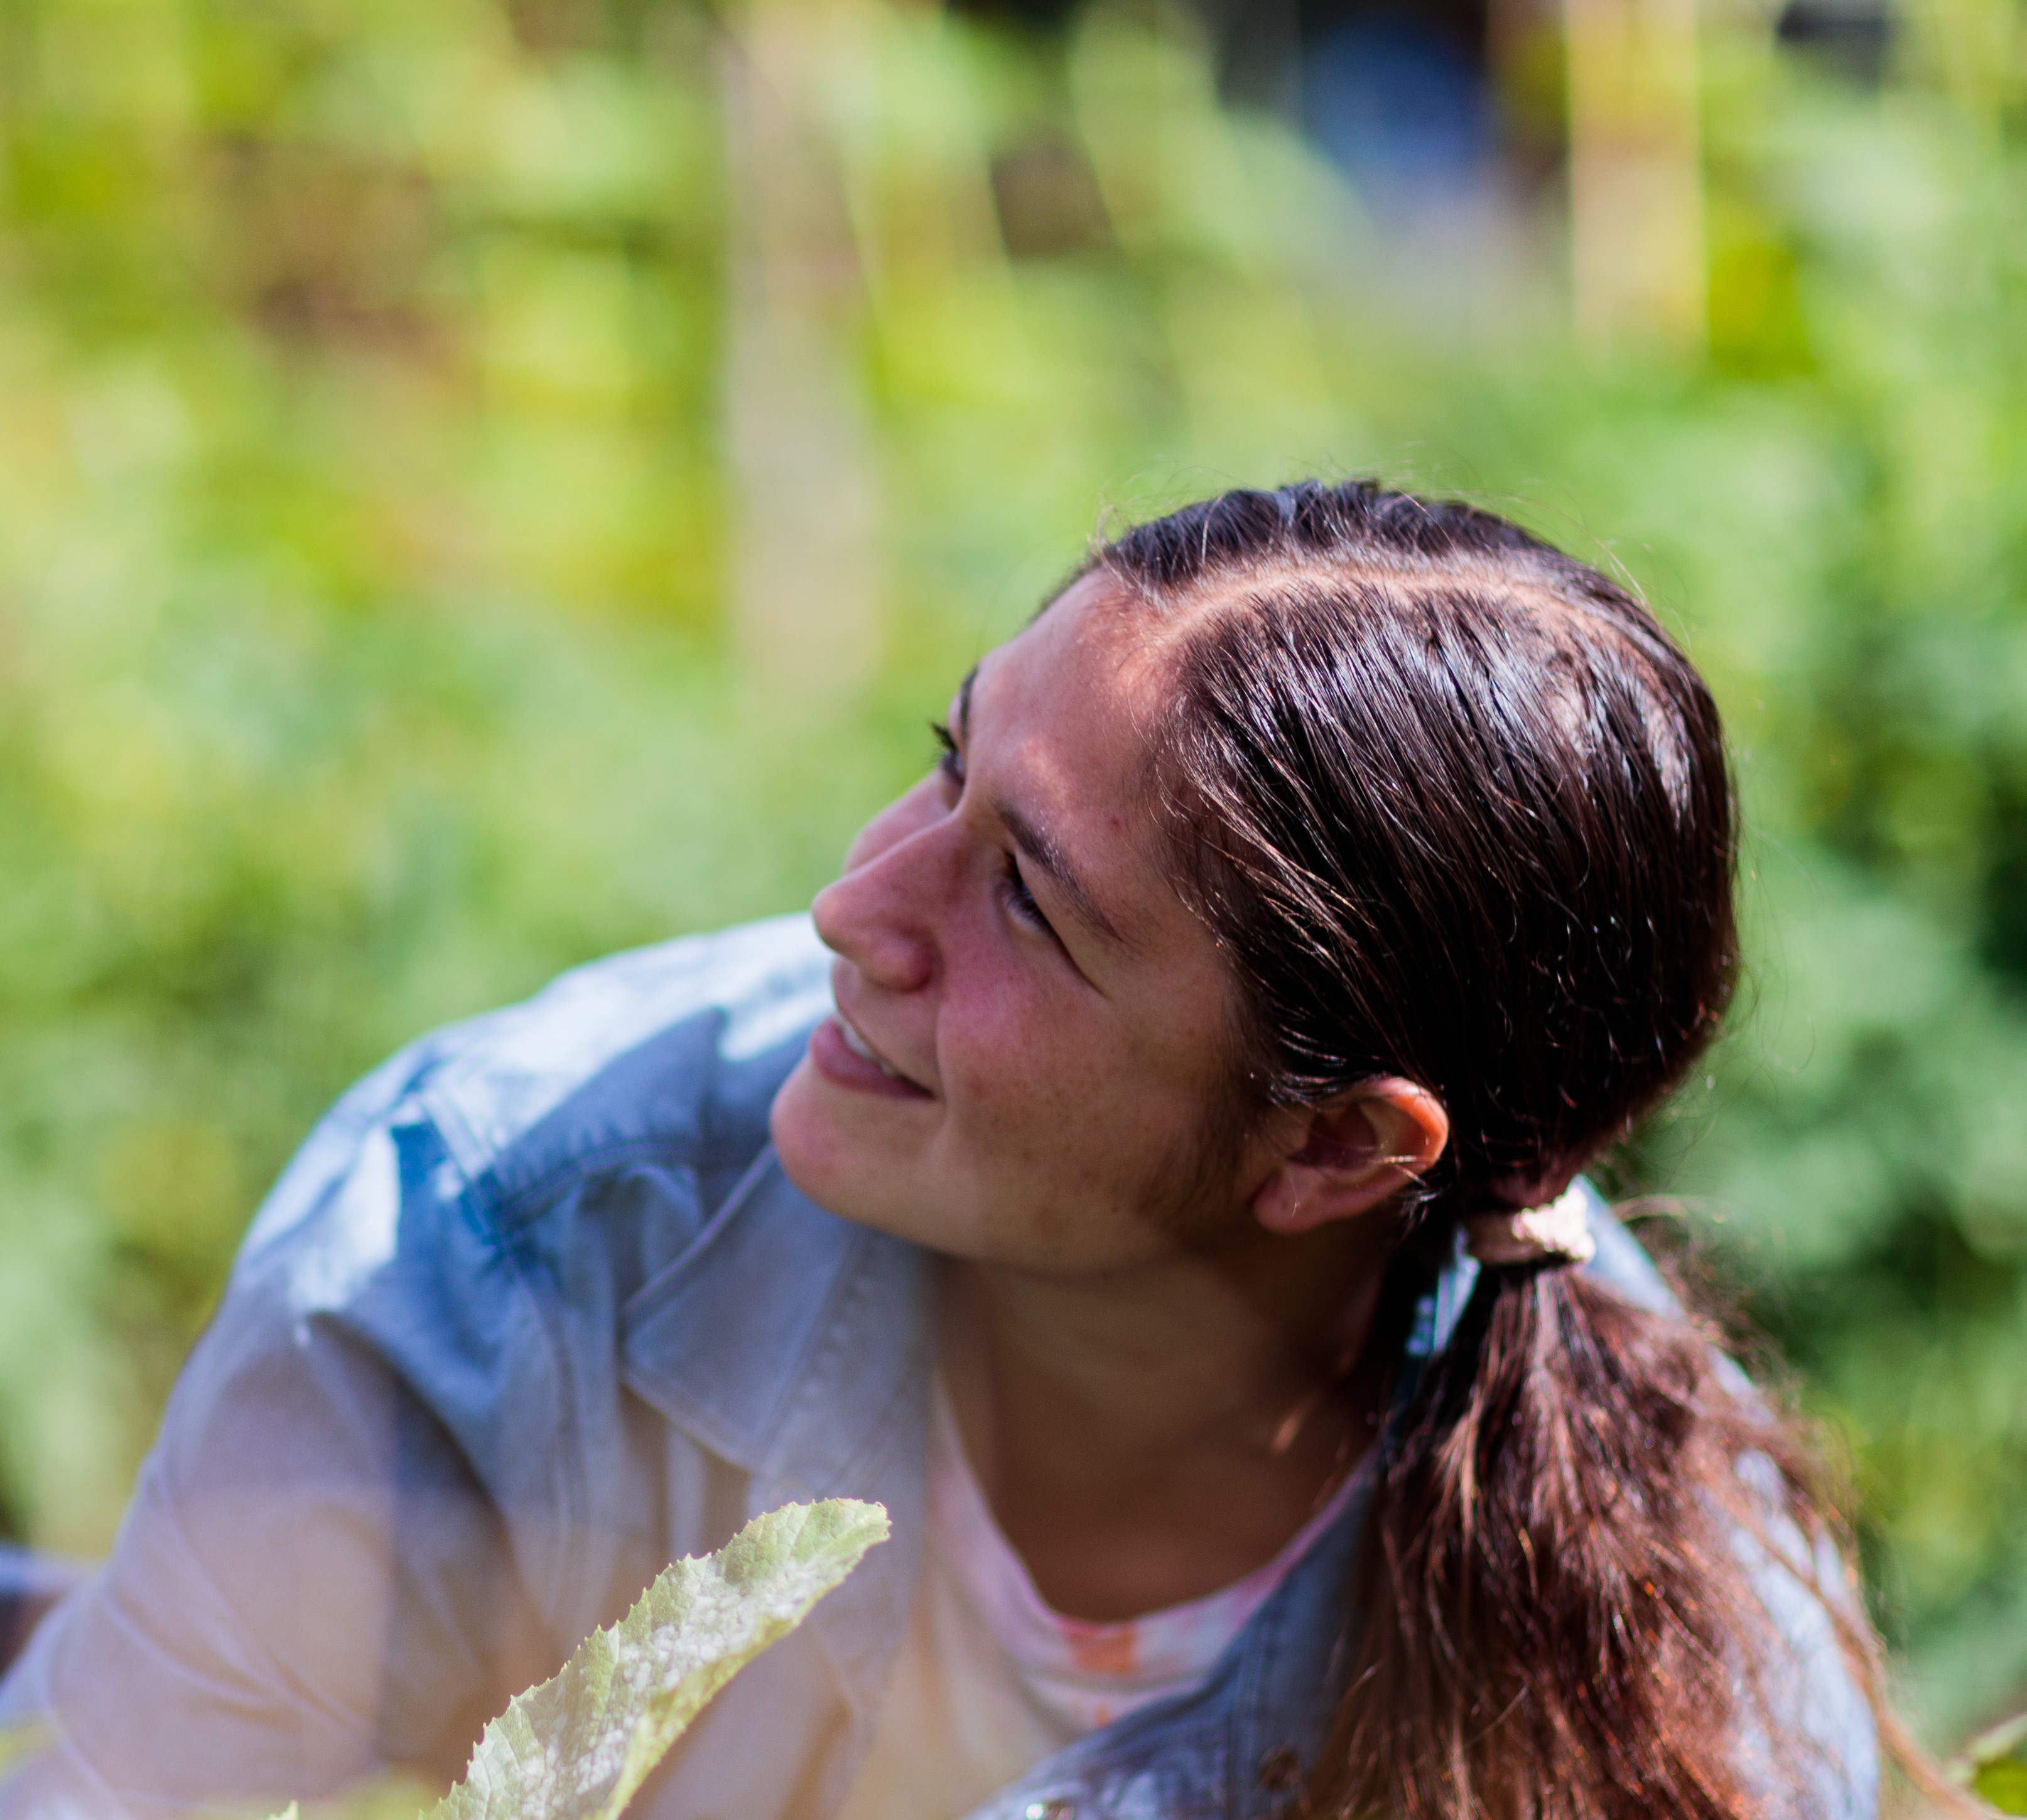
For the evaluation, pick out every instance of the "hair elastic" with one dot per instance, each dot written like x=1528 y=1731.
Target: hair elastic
x=1557 y=1232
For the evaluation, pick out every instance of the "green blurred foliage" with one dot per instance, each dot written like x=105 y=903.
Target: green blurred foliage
x=1993 y=1765
x=373 y=515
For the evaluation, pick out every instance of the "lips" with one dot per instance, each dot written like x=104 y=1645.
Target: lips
x=845 y=1058
x=859 y=1046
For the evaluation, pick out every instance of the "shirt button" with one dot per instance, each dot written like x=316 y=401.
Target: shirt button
x=1280 y=1769
x=1049 y=1811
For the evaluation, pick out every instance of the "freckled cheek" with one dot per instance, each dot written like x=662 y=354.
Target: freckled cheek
x=1015 y=1068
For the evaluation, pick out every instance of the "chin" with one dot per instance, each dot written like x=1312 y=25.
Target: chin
x=797 y=1129
x=850 y=1166
x=819 y=1152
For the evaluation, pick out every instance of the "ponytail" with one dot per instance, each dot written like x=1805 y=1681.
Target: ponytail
x=1552 y=1608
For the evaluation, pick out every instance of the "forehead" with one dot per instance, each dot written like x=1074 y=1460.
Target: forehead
x=1071 y=699
x=1059 y=719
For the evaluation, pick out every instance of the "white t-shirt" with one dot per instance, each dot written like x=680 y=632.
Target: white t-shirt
x=990 y=1681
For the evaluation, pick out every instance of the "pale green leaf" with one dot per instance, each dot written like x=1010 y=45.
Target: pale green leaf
x=1997 y=1742
x=579 y=1746
x=2004 y=1785
x=1991 y=1768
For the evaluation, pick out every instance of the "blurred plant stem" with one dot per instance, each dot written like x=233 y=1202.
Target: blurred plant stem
x=807 y=569
x=1635 y=172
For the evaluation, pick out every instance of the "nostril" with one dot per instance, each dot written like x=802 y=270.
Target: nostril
x=898 y=960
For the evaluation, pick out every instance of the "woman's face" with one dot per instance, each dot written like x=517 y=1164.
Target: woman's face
x=1032 y=1029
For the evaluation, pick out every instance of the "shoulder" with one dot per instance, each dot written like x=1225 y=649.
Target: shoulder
x=1621 y=1262
x=427 y=1315
x=674 y=1050
x=681 y=1044
x=477 y=1211
x=470 y=1222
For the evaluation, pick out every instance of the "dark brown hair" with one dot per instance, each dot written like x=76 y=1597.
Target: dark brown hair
x=1457 y=810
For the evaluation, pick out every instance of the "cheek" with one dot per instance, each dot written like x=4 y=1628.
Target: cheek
x=1013 y=1044
x=1042 y=1080
x=996 y=1035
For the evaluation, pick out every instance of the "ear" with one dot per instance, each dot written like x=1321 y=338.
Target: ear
x=1348 y=1157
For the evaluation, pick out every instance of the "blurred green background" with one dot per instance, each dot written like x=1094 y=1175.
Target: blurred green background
x=487 y=482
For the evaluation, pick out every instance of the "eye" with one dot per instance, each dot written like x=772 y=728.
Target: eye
x=1021 y=901
x=949 y=761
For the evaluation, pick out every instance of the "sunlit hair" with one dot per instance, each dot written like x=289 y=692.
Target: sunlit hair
x=1457 y=809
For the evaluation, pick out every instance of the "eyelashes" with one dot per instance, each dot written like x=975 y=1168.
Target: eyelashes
x=949 y=761
x=1020 y=900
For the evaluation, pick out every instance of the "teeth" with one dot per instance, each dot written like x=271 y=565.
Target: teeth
x=859 y=1046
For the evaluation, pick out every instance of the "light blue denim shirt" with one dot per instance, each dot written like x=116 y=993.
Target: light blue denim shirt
x=535 y=1311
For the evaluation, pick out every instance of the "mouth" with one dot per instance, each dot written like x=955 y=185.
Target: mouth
x=859 y=1046
x=842 y=1056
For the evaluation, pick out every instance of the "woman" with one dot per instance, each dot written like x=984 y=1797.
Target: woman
x=1171 y=1213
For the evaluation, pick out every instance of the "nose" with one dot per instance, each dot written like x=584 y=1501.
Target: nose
x=879 y=915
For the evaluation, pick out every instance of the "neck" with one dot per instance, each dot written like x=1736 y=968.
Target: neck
x=1149 y=1434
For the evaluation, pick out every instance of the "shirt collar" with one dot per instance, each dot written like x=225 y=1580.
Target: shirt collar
x=782 y=1336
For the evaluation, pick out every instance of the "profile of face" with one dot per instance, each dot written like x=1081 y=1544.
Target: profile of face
x=1033 y=1031
x=1031 y=1027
